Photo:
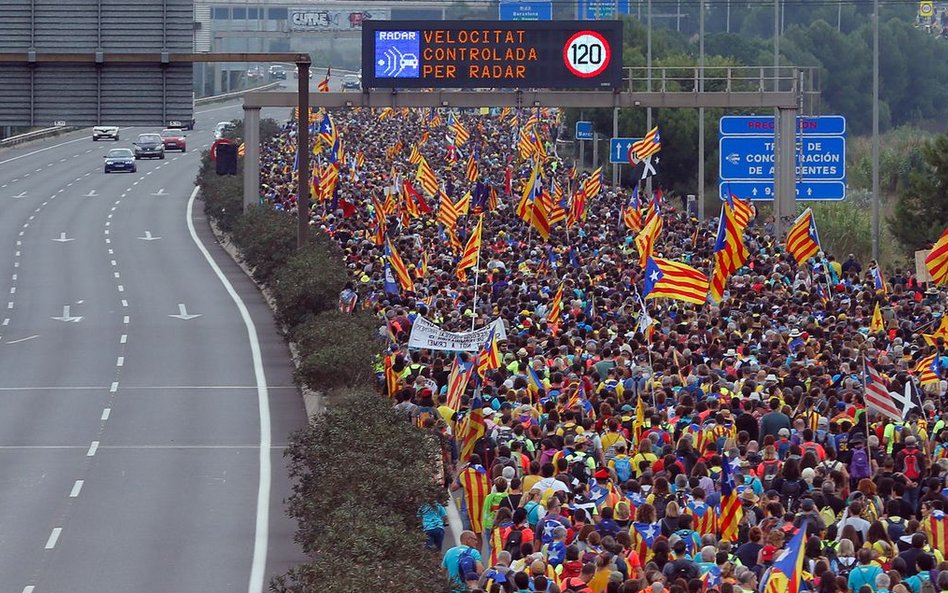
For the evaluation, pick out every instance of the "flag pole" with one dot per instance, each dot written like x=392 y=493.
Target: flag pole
x=866 y=411
x=477 y=267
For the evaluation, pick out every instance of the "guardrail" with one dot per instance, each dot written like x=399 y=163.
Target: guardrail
x=228 y=96
x=35 y=135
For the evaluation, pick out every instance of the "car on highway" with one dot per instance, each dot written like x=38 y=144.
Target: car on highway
x=351 y=82
x=105 y=132
x=255 y=73
x=277 y=72
x=149 y=145
x=120 y=159
x=222 y=128
x=173 y=139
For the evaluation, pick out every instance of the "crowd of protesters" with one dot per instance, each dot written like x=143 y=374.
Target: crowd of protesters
x=608 y=475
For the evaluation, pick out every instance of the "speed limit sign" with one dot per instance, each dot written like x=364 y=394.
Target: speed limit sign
x=587 y=54
x=926 y=9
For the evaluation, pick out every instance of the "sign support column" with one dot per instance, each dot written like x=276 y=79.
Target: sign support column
x=251 y=156
x=785 y=200
x=615 y=134
x=302 y=147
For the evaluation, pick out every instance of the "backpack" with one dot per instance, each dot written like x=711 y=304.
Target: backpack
x=623 y=468
x=770 y=472
x=926 y=584
x=578 y=468
x=792 y=491
x=910 y=462
x=570 y=429
x=859 y=466
x=466 y=563
x=514 y=540
x=828 y=515
x=895 y=529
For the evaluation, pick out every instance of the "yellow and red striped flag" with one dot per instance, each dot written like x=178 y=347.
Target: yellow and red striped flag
x=802 y=240
x=391 y=377
x=457 y=382
x=447 y=212
x=645 y=241
x=378 y=236
x=323 y=86
x=463 y=206
x=472 y=251
x=556 y=307
x=936 y=527
x=731 y=511
x=415 y=156
x=471 y=171
x=461 y=135
x=928 y=370
x=475 y=481
x=647 y=146
x=426 y=176
x=937 y=260
x=730 y=253
x=593 y=184
x=398 y=266
x=669 y=279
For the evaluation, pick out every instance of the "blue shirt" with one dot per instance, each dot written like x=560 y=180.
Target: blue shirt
x=432 y=517
x=864 y=575
x=450 y=561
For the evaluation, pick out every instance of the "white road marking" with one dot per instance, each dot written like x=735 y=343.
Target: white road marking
x=10 y=160
x=114 y=387
x=13 y=278
x=111 y=252
x=262 y=526
x=123 y=339
x=6 y=321
x=125 y=320
x=116 y=274
x=113 y=262
x=110 y=216
x=120 y=361
x=53 y=538
x=10 y=305
x=108 y=224
x=121 y=288
x=13 y=290
x=124 y=303
x=108 y=241
x=29 y=588
x=76 y=488
x=106 y=231
x=106 y=413
x=22 y=339
x=92 y=449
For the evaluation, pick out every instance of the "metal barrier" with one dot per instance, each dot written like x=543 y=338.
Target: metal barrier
x=35 y=135
x=235 y=94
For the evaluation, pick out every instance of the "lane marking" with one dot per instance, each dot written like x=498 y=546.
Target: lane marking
x=262 y=527
x=121 y=288
x=120 y=362
x=125 y=320
x=6 y=321
x=53 y=538
x=22 y=339
x=92 y=449
x=106 y=413
x=123 y=339
x=141 y=387
x=116 y=274
x=114 y=387
x=76 y=488
x=113 y=263
x=124 y=303
x=29 y=588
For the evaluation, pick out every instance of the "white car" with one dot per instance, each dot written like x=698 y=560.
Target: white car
x=105 y=132
x=221 y=128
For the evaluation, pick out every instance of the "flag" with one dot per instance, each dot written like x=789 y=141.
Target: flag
x=936 y=528
x=386 y=113
x=632 y=214
x=577 y=208
x=471 y=171
x=426 y=176
x=492 y=199
x=463 y=206
x=592 y=184
x=731 y=512
x=414 y=157
x=434 y=118
x=558 y=205
x=447 y=213
x=391 y=377
x=327 y=131
x=674 y=280
x=525 y=145
x=876 y=324
x=534 y=383
x=937 y=260
x=645 y=324
x=488 y=358
x=877 y=393
x=802 y=240
x=457 y=382
x=643 y=537
x=540 y=218
x=928 y=370
x=645 y=240
x=786 y=575
x=529 y=189
x=422 y=270
x=556 y=307
x=941 y=332
x=461 y=135
x=475 y=481
x=878 y=280
x=379 y=211
x=711 y=579
x=401 y=271
x=646 y=147
x=472 y=251
x=323 y=86
x=730 y=253
x=704 y=515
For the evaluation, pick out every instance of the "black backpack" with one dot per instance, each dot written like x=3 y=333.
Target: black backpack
x=792 y=491
x=514 y=540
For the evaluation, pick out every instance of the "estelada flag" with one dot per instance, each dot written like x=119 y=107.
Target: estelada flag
x=937 y=260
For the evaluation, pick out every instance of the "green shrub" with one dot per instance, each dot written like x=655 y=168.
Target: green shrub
x=266 y=239
x=309 y=282
x=337 y=350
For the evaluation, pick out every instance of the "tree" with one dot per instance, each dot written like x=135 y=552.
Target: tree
x=921 y=214
x=310 y=281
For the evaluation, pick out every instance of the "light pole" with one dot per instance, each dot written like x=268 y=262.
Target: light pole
x=648 y=74
x=875 y=130
x=701 y=111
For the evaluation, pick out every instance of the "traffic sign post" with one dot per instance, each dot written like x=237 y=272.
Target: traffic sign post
x=584 y=130
x=619 y=150
x=525 y=11
x=747 y=165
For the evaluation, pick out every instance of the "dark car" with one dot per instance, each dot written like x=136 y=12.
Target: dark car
x=277 y=72
x=150 y=145
x=174 y=139
x=351 y=82
x=120 y=159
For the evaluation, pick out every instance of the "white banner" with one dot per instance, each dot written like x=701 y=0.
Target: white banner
x=314 y=19
x=425 y=334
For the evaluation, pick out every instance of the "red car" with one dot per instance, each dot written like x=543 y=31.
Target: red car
x=174 y=140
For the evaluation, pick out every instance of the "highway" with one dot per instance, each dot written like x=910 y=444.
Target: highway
x=145 y=394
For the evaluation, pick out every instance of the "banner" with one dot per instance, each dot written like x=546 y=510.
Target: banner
x=314 y=19
x=425 y=334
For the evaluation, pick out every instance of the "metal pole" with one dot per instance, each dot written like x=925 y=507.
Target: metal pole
x=728 y=26
x=595 y=162
x=785 y=182
x=582 y=154
x=678 y=16
x=302 y=146
x=875 y=130
x=776 y=46
x=701 y=111
x=839 y=15
x=648 y=68
x=615 y=134
x=251 y=156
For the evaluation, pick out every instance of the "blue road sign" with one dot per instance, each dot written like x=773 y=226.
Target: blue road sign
x=751 y=158
x=806 y=190
x=397 y=53
x=526 y=11
x=619 y=149
x=584 y=130
x=763 y=125
x=601 y=10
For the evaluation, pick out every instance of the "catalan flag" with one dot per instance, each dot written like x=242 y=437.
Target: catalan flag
x=471 y=172
x=434 y=118
x=730 y=253
x=386 y=113
x=426 y=177
x=878 y=280
x=941 y=332
x=556 y=307
x=643 y=538
x=559 y=206
x=540 y=218
x=327 y=131
x=577 y=208
x=928 y=370
x=786 y=575
x=937 y=260
x=674 y=280
x=731 y=512
x=488 y=358
x=472 y=251
x=593 y=184
x=802 y=240
x=457 y=382
x=525 y=145
x=447 y=212
x=379 y=211
x=534 y=382
x=647 y=146
x=461 y=135
x=398 y=266
x=631 y=214
x=703 y=513
x=936 y=528
x=422 y=270
x=876 y=324
x=645 y=241
x=414 y=157
x=463 y=206
x=526 y=198
x=391 y=377
x=474 y=479
x=323 y=86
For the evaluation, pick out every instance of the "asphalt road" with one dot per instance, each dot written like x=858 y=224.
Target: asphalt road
x=143 y=411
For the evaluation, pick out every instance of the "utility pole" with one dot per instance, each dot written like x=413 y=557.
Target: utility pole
x=701 y=111
x=302 y=148
x=875 y=130
x=648 y=70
